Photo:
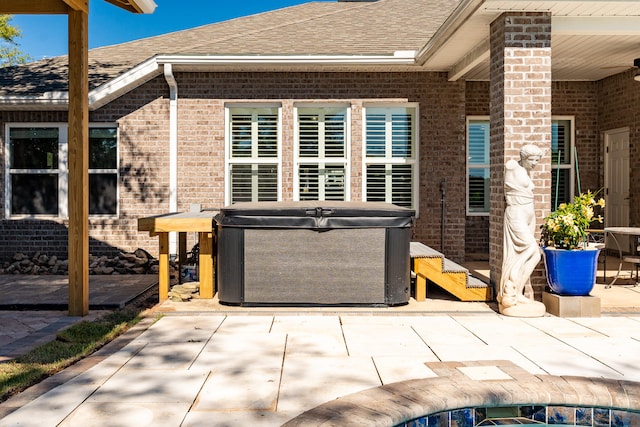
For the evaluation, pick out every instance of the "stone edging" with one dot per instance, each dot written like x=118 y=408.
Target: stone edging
x=393 y=404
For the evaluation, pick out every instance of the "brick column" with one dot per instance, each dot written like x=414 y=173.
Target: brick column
x=520 y=90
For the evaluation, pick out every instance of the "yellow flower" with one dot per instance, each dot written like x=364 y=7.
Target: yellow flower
x=566 y=226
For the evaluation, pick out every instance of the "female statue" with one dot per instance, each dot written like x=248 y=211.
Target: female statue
x=521 y=253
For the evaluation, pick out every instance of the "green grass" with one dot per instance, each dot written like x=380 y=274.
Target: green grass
x=70 y=345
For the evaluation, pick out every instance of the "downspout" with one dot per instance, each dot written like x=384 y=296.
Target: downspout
x=173 y=150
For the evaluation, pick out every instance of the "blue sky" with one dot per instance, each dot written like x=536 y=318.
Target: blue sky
x=46 y=35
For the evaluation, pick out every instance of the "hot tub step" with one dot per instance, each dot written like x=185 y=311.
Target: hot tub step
x=430 y=264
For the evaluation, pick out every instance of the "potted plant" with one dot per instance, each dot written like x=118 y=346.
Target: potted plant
x=570 y=262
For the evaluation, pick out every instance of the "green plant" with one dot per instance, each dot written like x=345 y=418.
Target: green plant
x=566 y=227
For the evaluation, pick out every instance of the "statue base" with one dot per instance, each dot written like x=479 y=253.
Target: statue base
x=529 y=309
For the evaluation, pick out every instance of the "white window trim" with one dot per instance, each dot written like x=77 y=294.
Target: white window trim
x=228 y=160
x=346 y=160
x=63 y=168
x=116 y=170
x=394 y=160
x=569 y=166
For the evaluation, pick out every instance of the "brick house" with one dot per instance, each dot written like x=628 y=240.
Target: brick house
x=417 y=103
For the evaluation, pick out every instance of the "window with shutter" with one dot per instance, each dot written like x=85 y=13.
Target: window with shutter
x=561 y=162
x=321 y=157
x=562 y=158
x=390 y=155
x=253 y=154
x=478 y=166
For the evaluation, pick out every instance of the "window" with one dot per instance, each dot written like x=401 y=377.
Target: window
x=561 y=162
x=253 y=154
x=103 y=171
x=478 y=163
x=37 y=173
x=477 y=166
x=34 y=170
x=322 y=154
x=390 y=167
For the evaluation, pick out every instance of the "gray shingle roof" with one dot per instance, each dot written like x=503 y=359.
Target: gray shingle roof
x=316 y=28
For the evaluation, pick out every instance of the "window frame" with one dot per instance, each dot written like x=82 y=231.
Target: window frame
x=229 y=160
x=486 y=166
x=62 y=170
x=388 y=159
x=345 y=160
x=567 y=166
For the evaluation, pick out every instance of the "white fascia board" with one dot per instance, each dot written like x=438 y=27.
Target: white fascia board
x=122 y=84
x=58 y=101
x=595 y=25
x=460 y=15
x=145 y=6
x=398 y=58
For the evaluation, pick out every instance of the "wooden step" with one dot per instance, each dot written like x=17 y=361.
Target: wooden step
x=429 y=264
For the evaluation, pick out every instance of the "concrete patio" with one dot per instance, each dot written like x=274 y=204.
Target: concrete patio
x=200 y=363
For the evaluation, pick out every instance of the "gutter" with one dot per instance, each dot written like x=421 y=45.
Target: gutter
x=400 y=57
x=173 y=148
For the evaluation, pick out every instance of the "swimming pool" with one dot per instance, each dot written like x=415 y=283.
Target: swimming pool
x=529 y=415
x=455 y=400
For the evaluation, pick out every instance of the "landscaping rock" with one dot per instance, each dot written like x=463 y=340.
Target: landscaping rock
x=137 y=262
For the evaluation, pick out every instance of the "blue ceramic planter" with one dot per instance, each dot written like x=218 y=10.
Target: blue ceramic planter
x=571 y=272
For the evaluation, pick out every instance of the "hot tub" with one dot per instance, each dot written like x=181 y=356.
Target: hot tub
x=313 y=253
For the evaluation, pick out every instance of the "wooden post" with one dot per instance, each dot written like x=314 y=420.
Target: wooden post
x=164 y=276
x=78 y=163
x=205 y=265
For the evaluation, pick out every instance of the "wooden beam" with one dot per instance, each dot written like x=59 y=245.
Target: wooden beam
x=14 y=7
x=81 y=5
x=78 y=163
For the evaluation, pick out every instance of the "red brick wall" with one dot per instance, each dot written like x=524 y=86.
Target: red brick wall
x=580 y=99
x=577 y=99
x=143 y=118
x=619 y=107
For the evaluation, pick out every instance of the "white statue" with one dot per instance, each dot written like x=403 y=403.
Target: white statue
x=521 y=253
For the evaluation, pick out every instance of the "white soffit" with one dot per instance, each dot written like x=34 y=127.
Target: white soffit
x=590 y=40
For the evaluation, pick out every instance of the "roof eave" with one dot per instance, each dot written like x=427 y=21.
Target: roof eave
x=151 y=68
x=50 y=101
x=460 y=15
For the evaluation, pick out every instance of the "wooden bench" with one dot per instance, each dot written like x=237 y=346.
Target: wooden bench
x=199 y=222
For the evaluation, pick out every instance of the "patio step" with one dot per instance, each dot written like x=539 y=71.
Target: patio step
x=429 y=264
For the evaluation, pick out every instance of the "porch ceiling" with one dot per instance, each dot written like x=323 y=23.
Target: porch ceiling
x=589 y=40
